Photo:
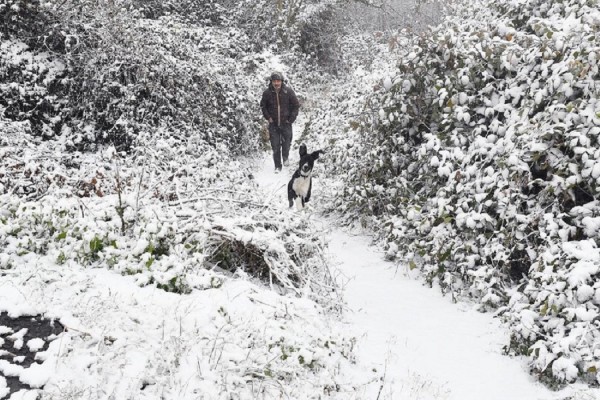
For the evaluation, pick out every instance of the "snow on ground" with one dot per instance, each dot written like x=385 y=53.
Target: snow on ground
x=428 y=347
x=142 y=342
x=425 y=346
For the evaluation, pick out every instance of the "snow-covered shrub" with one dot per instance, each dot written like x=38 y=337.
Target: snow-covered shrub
x=554 y=318
x=175 y=254
x=166 y=213
x=319 y=37
x=476 y=161
x=104 y=72
x=22 y=18
x=95 y=89
x=203 y=12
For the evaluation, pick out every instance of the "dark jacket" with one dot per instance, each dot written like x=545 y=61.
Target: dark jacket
x=282 y=107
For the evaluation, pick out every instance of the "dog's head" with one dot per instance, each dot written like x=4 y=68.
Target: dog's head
x=307 y=160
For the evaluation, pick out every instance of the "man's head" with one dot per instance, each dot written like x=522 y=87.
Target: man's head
x=276 y=80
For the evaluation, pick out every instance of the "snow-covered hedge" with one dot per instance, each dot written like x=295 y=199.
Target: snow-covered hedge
x=482 y=170
x=94 y=89
x=105 y=72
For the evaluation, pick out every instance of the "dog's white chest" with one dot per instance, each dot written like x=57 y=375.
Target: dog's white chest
x=301 y=185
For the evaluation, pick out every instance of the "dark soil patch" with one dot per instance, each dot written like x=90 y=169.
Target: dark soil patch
x=37 y=327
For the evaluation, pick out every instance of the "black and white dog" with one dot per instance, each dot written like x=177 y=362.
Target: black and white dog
x=301 y=183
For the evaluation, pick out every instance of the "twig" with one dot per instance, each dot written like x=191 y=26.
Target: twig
x=180 y=202
x=137 y=198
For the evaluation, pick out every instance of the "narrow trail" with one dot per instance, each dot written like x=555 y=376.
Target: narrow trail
x=426 y=346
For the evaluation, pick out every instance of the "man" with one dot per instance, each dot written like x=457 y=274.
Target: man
x=280 y=107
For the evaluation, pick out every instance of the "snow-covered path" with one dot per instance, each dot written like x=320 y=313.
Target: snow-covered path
x=427 y=346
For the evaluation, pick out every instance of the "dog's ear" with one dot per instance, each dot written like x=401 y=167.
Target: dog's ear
x=315 y=154
x=303 y=150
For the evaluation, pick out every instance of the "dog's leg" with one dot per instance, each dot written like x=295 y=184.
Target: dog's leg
x=291 y=194
x=307 y=199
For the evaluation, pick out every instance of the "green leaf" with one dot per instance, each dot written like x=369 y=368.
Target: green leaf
x=150 y=249
x=544 y=309
x=62 y=235
x=96 y=245
x=61 y=258
x=444 y=257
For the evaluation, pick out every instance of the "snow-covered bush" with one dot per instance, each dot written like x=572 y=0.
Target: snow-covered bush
x=94 y=89
x=22 y=18
x=177 y=254
x=476 y=161
x=159 y=215
x=103 y=72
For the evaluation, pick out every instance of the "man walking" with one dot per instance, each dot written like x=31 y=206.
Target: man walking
x=280 y=107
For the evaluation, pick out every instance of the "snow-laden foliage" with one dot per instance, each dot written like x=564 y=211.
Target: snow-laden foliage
x=477 y=160
x=68 y=66
x=82 y=81
x=166 y=222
